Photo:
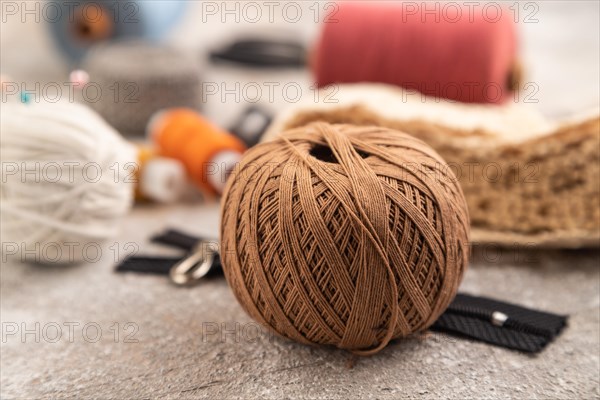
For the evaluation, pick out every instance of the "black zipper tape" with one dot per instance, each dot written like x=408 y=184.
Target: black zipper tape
x=523 y=329
x=477 y=318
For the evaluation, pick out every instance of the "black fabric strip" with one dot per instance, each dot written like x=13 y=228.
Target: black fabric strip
x=460 y=325
x=148 y=265
x=176 y=239
x=525 y=329
x=520 y=318
x=263 y=53
x=467 y=316
x=162 y=265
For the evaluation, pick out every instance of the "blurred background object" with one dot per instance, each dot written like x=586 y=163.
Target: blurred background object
x=240 y=64
x=262 y=53
x=129 y=81
x=207 y=152
x=65 y=184
x=560 y=74
x=159 y=179
x=469 y=59
x=78 y=26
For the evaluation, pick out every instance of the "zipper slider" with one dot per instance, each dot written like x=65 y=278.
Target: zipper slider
x=201 y=259
x=193 y=268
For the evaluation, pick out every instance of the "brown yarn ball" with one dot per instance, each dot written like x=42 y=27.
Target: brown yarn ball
x=344 y=235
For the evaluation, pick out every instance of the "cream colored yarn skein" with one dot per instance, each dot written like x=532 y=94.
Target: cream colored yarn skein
x=64 y=188
x=344 y=235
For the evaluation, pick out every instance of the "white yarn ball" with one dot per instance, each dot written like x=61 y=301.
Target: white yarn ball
x=66 y=181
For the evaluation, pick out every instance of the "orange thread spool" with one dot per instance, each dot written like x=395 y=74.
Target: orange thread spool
x=207 y=152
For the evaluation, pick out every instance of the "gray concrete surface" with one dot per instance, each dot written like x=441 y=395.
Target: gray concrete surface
x=182 y=349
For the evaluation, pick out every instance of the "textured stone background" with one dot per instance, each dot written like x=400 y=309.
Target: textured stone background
x=178 y=356
x=173 y=358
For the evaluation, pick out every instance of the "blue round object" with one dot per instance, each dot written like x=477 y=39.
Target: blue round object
x=78 y=25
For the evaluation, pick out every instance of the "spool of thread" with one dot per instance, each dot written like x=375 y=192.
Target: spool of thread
x=207 y=152
x=454 y=52
x=344 y=235
x=131 y=81
x=63 y=190
x=78 y=26
x=160 y=179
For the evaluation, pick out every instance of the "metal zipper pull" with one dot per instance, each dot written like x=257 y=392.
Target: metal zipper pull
x=202 y=259
x=193 y=268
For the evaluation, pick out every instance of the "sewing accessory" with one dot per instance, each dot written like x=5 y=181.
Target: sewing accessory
x=65 y=187
x=137 y=79
x=344 y=235
x=207 y=152
x=79 y=26
x=159 y=179
x=466 y=56
x=195 y=267
x=79 y=78
x=5 y=80
x=262 y=53
x=501 y=324
x=509 y=159
x=201 y=259
x=251 y=125
x=477 y=318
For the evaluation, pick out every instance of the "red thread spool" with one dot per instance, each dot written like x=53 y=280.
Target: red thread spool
x=207 y=152
x=443 y=50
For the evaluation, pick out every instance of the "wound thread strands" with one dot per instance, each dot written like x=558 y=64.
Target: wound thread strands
x=450 y=52
x=66 y=181
x=343 y=235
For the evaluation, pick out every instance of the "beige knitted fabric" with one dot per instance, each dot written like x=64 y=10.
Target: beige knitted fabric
x=526 y=183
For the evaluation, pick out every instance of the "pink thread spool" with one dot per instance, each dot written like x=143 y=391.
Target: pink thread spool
x=440 y=49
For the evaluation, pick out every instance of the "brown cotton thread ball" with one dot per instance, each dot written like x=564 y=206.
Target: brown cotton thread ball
x=344 y=235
